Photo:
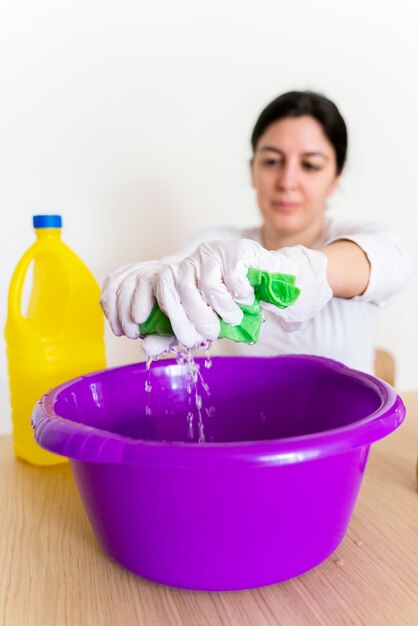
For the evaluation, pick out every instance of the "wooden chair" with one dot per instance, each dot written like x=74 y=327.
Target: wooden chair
x=384 y=366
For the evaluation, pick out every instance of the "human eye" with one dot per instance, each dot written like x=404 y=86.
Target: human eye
x=310 y=167
x=271 y=161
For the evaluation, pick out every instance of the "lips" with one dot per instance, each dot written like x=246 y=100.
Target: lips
x=286 y=207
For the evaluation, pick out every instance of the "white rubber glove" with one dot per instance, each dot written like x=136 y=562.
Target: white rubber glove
x=127 y=299
x=212 y=279
x=310 y=268
x=206 y=284
x=154 y=345
x=128 y=296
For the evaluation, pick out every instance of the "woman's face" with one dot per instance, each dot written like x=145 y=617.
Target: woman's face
x=293 y=173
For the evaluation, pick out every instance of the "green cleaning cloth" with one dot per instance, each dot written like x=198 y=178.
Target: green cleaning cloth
x=277 y=289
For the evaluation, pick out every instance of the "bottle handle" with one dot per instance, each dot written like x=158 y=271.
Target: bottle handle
x=16 y=287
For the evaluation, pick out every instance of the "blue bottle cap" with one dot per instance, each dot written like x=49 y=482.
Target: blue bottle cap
x=47 y=221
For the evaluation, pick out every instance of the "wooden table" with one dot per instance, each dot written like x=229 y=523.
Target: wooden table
x=54 y=573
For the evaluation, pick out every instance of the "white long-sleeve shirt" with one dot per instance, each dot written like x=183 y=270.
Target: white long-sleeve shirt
x=345 y=329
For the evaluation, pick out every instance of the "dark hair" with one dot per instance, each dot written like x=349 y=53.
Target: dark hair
x=298 y=103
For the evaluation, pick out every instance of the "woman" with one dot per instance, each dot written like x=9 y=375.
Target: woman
x=345 y=271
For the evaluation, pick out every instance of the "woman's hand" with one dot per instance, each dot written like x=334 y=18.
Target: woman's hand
x=127 y=299
x=207 y=285
x=128 y=296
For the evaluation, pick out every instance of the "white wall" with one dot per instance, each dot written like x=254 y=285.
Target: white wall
x=132 y=119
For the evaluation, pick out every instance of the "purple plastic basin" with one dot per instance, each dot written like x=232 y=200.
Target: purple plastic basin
x=267 y=497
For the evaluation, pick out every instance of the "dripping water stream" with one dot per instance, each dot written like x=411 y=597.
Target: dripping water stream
x=193 y=380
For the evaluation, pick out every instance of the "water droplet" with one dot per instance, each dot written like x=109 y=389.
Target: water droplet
x=201 y=433
x=205 y=386
x=208 y=359
x=148 y=385
x=190 y=420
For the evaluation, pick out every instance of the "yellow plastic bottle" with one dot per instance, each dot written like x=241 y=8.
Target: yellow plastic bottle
x=60 y=337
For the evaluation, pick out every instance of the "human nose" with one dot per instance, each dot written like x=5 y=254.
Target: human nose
x=287 y=177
